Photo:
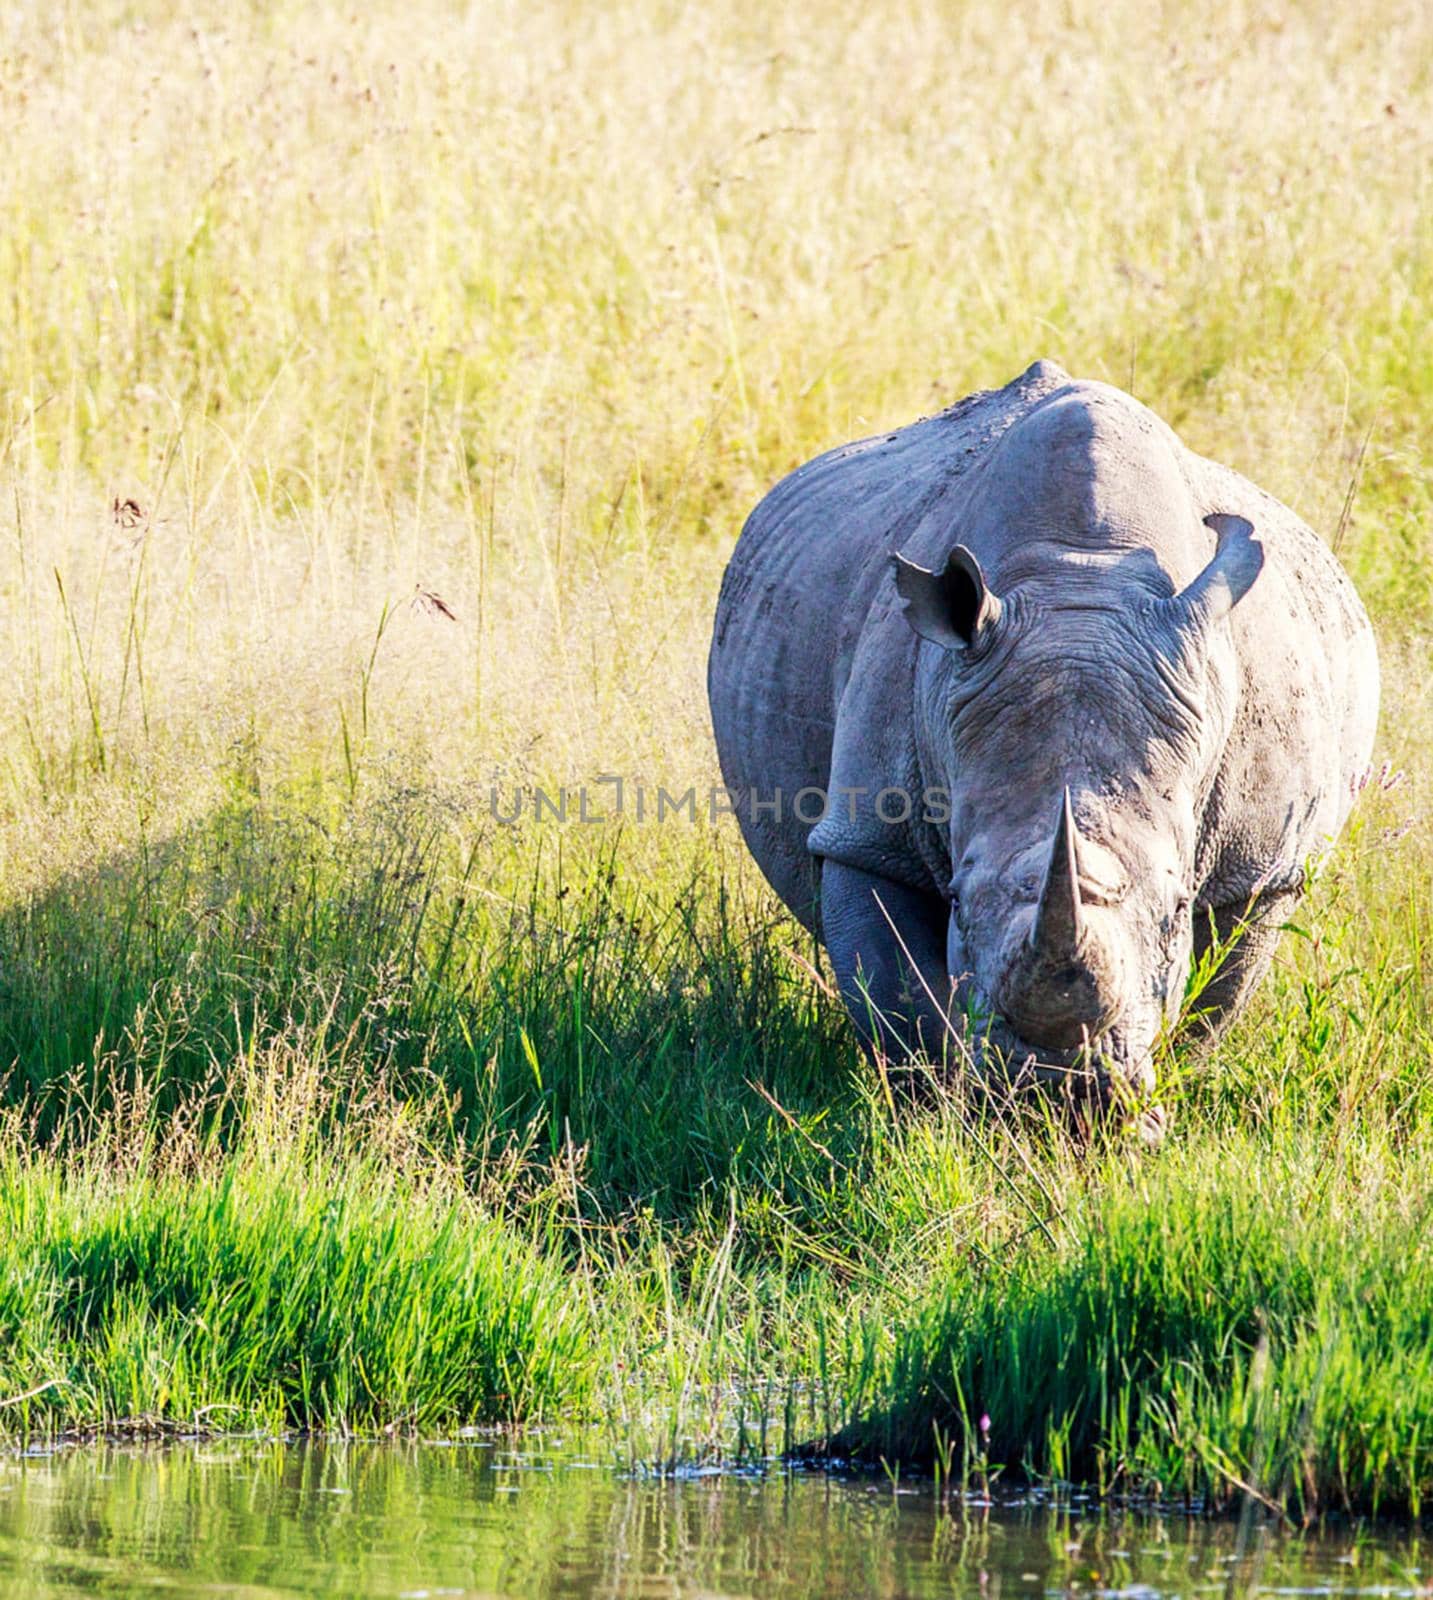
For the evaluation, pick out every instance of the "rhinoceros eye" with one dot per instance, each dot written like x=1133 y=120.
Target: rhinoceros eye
x=1178 y=921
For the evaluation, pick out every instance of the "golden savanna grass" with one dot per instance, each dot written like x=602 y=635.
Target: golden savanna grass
x=527 y=305
x=312 y=314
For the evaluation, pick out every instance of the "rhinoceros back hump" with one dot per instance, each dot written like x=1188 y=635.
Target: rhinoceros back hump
x=794 y=643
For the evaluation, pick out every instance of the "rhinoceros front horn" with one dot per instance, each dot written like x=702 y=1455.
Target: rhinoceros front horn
x=1061 y=987
x=1059 y=920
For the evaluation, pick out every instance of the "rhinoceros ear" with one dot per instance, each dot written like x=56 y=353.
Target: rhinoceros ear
x=1238 y=560
x=950 y=607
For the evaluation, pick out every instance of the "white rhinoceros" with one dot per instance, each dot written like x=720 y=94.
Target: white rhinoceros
x=1023 y=705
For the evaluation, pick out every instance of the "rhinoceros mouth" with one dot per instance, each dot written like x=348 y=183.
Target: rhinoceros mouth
x=1098 y=1069
x=1099 y=1078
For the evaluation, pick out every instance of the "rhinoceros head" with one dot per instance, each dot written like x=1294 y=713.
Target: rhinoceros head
x=1078 y=730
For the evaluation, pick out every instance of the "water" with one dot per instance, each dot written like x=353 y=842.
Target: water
x=479 y=1519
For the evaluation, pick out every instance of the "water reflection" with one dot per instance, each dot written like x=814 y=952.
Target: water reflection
x=477 y=1518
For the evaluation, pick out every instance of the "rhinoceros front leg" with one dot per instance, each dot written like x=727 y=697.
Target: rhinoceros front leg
x=887 y=945
x=1251 y=935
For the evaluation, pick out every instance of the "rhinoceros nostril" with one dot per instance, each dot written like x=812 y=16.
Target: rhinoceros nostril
x=1056 y=1033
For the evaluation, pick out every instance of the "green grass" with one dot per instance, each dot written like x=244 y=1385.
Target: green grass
x=356 y=1145
x=1247 y=1321
x=274 y=1291
x=331 y=1102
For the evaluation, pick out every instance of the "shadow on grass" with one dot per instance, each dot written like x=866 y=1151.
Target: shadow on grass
x=545 y=1002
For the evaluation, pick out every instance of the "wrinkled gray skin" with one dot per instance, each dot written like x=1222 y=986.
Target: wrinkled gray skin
x=1147 y=686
